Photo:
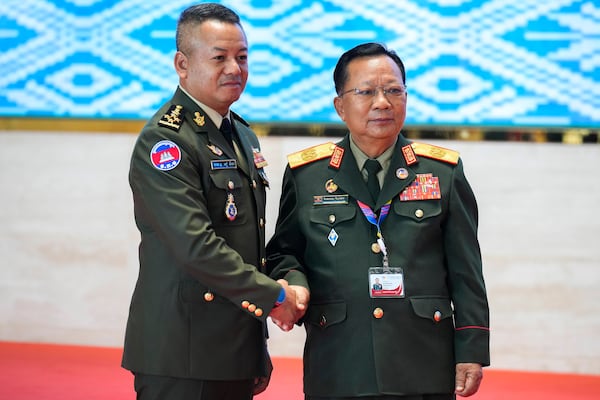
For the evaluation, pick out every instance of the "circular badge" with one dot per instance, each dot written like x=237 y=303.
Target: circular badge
x=402 y=173
x=165 y=155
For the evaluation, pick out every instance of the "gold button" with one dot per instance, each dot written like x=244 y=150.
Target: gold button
x=419 y=213
x=263 y=262
x=231 y=185
x=261 y=222
x=245 y=304
x=208 y=296
x=252 y=307
x=375 y=248
x=437 y=316
x=258 y=312
x=253 y=184
x=378 y=313
x=331 y=218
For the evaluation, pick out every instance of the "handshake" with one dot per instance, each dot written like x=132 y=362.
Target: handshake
x=293 y=307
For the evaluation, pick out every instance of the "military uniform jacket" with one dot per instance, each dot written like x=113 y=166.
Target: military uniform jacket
x=357 y=345
x=200 y=302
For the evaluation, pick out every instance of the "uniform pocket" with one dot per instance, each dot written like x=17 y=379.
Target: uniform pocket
x=325 y=315
x=228 y=198
x=435 y=309
x=418 y=210
x=332 y=215
x=191 y=292
x=226 y=179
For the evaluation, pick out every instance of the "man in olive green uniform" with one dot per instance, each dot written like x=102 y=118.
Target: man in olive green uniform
x=196 y=325
x=398 y=302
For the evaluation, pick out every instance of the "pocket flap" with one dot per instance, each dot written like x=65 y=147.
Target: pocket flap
x=332 y=215
x=433 y=308
x=418 y=210
x=227 y=179
x=324 y=315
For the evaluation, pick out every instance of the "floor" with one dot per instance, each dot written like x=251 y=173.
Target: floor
x=54 y=372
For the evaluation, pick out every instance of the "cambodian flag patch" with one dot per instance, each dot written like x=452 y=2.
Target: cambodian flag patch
x=165 y=155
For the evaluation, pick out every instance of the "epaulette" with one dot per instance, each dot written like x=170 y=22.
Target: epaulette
x=236 y=116
x=173 y=118
x=436 y=152
x=311 y=154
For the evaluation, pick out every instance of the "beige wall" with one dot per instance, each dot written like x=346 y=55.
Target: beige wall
x=69 y=257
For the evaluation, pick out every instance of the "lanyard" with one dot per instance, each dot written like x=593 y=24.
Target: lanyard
x=373 y=220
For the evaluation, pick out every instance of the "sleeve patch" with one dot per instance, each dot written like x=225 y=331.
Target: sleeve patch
x=165 y=155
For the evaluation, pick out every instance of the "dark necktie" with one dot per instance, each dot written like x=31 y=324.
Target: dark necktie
x=231 y=137
x=227 y=131
x=373 y=167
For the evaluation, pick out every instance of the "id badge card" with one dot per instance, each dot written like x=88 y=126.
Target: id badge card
x=386 y=282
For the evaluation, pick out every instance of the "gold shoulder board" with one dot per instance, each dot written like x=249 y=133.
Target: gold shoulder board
x=436 y=152
x=311 y=154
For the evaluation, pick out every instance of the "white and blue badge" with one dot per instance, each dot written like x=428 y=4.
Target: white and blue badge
x=165 y=155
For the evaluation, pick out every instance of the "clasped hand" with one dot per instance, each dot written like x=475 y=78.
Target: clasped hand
x=293 y=308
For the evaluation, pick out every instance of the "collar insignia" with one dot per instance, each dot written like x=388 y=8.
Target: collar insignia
x=198 y=119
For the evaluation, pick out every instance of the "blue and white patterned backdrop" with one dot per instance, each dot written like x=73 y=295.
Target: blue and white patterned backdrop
x=476 y=63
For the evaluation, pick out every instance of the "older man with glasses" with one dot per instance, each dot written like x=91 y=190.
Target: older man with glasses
x=384 y=232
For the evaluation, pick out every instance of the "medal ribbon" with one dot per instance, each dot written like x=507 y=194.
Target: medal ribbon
x=374 y=220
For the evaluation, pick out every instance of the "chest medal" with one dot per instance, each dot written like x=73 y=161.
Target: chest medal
x=230 y=207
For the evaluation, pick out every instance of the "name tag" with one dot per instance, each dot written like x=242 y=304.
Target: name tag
x=330 y=199
x=223 y=164
x=386 y=282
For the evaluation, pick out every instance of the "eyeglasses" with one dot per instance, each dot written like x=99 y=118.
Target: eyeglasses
x=391 y=92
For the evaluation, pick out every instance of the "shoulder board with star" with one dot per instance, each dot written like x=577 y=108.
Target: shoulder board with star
x=435 y=152
x=311 y=154
x=173 y=118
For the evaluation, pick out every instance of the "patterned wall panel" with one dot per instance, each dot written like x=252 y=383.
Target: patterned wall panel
x=476 y=63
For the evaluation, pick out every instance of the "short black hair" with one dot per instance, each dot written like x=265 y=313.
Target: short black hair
x=340 y=74
x=199 y=13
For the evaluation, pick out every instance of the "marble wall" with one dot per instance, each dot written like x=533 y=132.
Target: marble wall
x=68 y=244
